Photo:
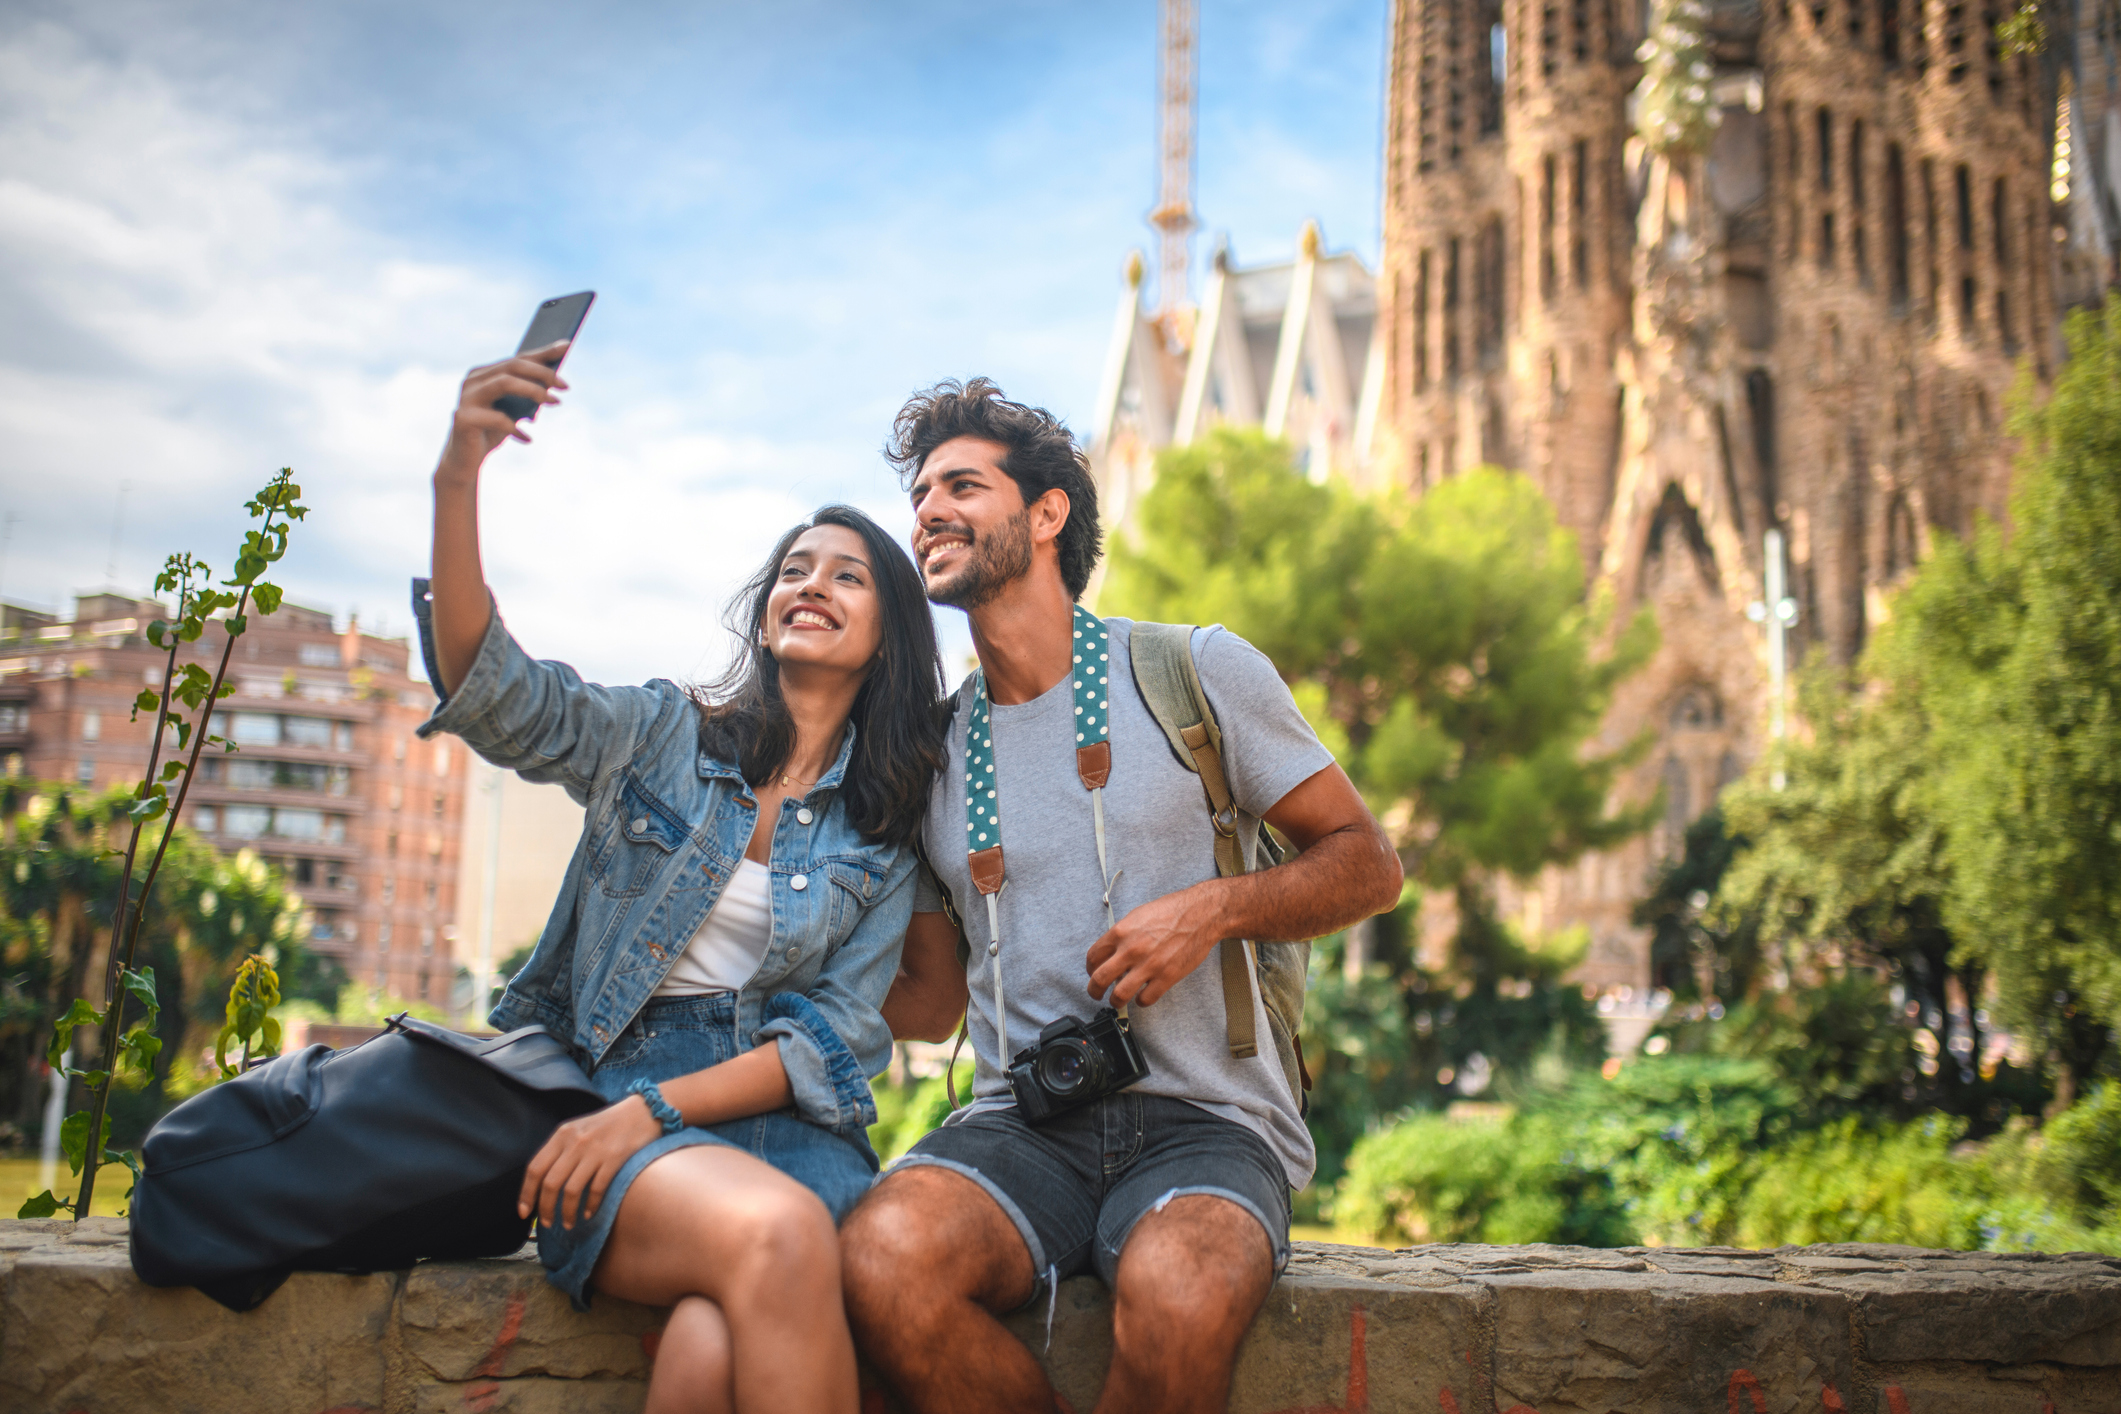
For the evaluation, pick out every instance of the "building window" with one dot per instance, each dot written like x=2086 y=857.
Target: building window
x=306 y=731
x=85 y=773
x=205 y=819
x=335 y=829
x=91 y=726
x=441 y=758
x=427 y=940
x=383 y=937
x=342 y=736
x=246 y=822
x=254 y=728
x=318 y=655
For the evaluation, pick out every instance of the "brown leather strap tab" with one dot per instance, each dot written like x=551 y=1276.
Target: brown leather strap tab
x=1237 y=999
x=986 y=866
x=1094 y=764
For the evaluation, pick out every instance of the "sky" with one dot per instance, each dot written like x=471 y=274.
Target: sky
x=236 y=236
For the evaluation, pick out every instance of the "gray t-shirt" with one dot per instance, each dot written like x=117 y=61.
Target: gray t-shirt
x=1158 y=840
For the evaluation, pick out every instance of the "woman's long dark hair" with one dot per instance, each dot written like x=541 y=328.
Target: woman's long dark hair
x=898 y=734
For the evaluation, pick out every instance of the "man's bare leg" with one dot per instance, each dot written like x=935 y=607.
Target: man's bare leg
x=1191 y=1278
x=926 y=1260
x=718 y=1224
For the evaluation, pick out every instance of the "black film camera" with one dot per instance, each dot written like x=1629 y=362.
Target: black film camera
x=1074 y=1063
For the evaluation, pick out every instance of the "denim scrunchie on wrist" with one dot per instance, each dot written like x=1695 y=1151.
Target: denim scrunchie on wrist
x=666 y=1114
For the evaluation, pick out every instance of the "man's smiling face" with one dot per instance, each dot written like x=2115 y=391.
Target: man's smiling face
x=972 y=530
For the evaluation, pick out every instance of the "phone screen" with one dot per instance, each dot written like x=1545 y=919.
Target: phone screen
x=557 y=318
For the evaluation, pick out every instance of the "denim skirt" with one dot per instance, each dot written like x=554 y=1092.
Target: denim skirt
x=676 y=1036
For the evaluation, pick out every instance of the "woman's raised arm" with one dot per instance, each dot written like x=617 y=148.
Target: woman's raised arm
x=462 y=608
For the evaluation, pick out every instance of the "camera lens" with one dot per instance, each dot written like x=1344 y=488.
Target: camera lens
x=1066 y=1065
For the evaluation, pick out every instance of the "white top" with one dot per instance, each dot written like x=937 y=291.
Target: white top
x=729 y=946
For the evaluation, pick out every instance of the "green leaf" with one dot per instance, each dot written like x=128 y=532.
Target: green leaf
x=80 y=1014
x=172 y=769
x=93 y=1079
x=127 y=1157
x=42 y=1206
x=266 y=596
x=141 y=984
x=153 y=808
x=141 y=1046
x=272 y=1035
x=237 y=623
x=148 y=701
x=156 y=629
x=73 y=1138
x=190 y=630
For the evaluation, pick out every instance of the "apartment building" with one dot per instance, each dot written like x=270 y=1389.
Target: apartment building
x=328 y=783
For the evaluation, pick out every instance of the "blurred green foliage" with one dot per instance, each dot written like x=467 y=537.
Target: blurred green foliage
x=905 y=1112
x=58 y=878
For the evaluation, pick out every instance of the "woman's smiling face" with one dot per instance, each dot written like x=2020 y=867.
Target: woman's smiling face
x=823 y=610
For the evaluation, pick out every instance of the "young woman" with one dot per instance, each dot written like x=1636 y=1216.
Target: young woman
x=726 y=933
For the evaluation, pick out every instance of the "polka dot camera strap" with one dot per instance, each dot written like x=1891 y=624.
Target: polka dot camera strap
x=1092 y=679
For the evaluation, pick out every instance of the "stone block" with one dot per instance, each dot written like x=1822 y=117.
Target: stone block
x=83 y=1336
x=1987 y=1389
x=502 y=1319
x=1596 y=1340
x=1324 y=1342
x=2001 y=1310
x=530 y=1395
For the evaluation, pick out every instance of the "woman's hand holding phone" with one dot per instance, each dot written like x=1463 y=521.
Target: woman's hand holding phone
x=478 y=426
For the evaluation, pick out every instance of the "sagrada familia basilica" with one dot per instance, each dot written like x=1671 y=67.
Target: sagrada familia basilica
x=1743 y=285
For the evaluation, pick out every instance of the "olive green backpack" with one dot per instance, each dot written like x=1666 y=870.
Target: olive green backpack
x=1170 y=687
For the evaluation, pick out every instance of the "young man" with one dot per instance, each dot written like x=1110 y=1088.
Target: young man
x=1175 y=1189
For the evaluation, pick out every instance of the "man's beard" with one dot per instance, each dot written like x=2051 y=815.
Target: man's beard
x=998 y=558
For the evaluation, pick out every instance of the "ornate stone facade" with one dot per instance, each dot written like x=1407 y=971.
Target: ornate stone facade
x=1803 y=314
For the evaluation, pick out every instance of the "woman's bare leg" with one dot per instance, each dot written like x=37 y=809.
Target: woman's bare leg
x=694 y=1363
x=760 y=1249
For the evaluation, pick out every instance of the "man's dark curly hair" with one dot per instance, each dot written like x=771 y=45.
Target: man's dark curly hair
x=1042 y=454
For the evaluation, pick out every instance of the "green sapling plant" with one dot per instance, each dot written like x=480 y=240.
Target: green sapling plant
x=183 y=711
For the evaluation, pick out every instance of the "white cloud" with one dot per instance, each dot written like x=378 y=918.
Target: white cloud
x=209 y=313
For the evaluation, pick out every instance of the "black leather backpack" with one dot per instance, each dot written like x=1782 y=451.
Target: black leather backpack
x=409 y=1145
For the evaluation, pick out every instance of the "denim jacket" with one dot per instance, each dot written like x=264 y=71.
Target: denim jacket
x=667 y=823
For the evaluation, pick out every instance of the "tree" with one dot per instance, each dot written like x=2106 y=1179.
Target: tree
x=1444 y=648
x=58 y=880
x=1447 y=654
x=2012 y=646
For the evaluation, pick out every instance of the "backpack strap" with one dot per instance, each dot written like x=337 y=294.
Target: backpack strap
x=1170 y=686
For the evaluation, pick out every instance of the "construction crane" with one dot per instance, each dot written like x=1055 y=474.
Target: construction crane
x=1173 y=216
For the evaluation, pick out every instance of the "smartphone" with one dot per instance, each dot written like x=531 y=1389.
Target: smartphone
x=558 y=318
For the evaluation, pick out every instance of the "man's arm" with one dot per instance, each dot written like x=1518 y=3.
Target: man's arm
x=1346 y=872
x=928 y=997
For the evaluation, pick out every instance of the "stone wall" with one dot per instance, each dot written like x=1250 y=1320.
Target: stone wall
x=1454 y=1330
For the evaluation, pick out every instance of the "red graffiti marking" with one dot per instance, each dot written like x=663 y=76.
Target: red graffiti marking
x=1443 y=1397
x=1357 y=1400
x=651 y=1342
x=1065 y=1406
x=1895 y=1400
x=480 y=1395
x=1744 y=1380
x=1829 y=1398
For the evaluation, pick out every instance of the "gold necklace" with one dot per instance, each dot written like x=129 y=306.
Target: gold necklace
x=788 y=780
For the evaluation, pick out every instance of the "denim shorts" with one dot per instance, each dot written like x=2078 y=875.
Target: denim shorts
x=676 y=1036
x=1076 y=1185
